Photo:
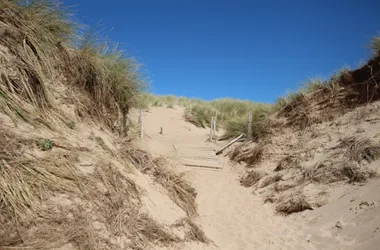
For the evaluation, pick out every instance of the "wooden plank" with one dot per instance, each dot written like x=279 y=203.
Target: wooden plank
x=211 y=128
x=229 y=144
x=200 y=163
x=249 y=131
x=141 y=121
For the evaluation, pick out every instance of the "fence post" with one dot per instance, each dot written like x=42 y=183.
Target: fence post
x=211 y=127
x=249 y=132
x=141 y=121
x=214 y=127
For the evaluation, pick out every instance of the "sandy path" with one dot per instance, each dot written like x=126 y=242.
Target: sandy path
x=236 y=219
x=230 y=214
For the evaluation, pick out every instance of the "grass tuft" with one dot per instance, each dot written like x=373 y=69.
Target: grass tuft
x=192 y=231
x=376 y=44
x=250 y=178
x=293 y=203
x=44 y=144
x=361 y=149
x=178 y=188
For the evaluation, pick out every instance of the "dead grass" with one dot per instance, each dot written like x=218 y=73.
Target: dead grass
x=192 y=231
x=356 y=173
x=248 y=154
x=270 y=180
x=290 y=161
x=330 y=171
x=37 y=51
x=283 y=186
x=293 y=203
x=250 y=178
x=178 y=188
x=361 y=149
x=30 y=218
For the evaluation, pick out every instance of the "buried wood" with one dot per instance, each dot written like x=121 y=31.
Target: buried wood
x=229 y=144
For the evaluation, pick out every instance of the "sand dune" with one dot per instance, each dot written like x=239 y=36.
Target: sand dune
x=231 y=216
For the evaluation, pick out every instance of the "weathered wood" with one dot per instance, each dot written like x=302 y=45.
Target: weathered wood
x=249 y=131
x=201 y=163
x=229 y=144
x=214 y=130
x=211 y=128
x=141 y=121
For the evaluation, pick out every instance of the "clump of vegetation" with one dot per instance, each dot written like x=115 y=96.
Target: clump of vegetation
x=45 y=37
x=44 y=144
x=355 y=173
x=178 y=188
x=376 y=44
x=293 y=203
x=250 y=178
x=192 y=231
x=361 y=149
x=231 y=114
x=290 y=161
x=239 y=125
x=270 y=180
x=248 y=153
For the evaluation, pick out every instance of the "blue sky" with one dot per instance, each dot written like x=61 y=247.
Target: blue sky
x=240 y=49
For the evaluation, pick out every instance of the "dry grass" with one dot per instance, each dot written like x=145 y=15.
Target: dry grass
x=178 y=188
x=192 y=231
x=283 y=186
x=30 y=218
x=286 y=163
x=361 y=149
x=330 y=171
x=248 y=153
x=293 y=203
x=36 y=37
x=250 y=178
x=356 y=173
x=323 y=172
x=270 y=180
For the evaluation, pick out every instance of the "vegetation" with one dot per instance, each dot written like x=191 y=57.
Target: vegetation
x=250 y=178
x=181 y=192
x=42 y=33
x=44 y=63
x=376 y=44
x=293 y=203
x=44 y=144
x=231 y=114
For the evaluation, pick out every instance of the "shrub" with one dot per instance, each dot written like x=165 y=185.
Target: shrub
x=44 y=144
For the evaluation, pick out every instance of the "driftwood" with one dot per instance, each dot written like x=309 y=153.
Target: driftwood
x=229 y=144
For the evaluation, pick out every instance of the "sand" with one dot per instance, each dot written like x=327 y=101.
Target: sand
x=231 y=216
x=234 y=217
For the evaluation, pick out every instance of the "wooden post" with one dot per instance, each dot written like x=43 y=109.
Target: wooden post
x=249 y=132
x=161 y=131
x=211 y=127
x=214 y=128
x=141 y=121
